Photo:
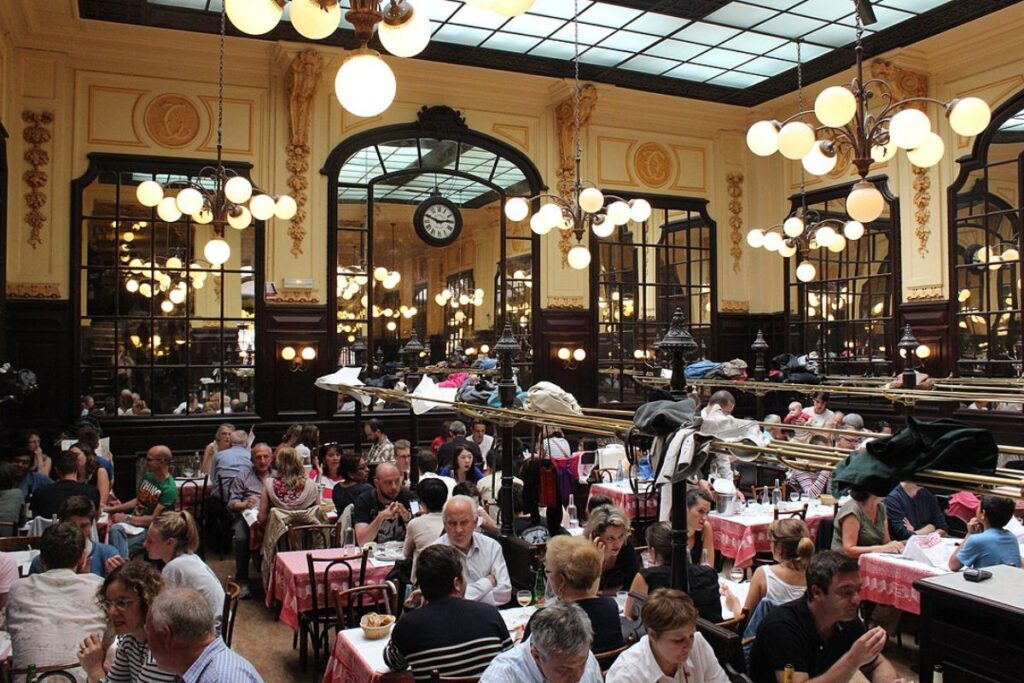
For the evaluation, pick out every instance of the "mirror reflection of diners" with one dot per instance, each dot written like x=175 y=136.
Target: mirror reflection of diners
x=985 y=255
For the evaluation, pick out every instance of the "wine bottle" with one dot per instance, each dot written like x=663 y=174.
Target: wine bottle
x=574 y=520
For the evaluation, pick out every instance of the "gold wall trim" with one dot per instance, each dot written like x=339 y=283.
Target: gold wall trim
x=926 y=293
x=735 y=189
x=95 y=90
x=922 y=212
x=303 y=82
x=36 y=134
x=171 y=120
x=300 y=296
x=517 y=135
x=571 y=302
x=630 y=145
x=33 y=290
x=728 y=306
x=653 y=164
x=703 y=187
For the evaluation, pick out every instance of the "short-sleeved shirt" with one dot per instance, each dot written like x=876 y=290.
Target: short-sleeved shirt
x=989 y=548
x=788 y=636
x=871 y=533
x=151 y=492
x=365 y=510
x=343 y=496
x=46 y=501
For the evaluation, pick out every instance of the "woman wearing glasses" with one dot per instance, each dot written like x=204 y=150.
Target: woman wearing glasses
x=126 y=595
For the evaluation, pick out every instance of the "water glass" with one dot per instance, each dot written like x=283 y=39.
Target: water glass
x=348 y=539
x=794 y=497
x=524 y=598
x=737 y=574
x=620 y=599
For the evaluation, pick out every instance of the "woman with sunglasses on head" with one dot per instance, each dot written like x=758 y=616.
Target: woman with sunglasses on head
x=126 y=595
x=328 y=471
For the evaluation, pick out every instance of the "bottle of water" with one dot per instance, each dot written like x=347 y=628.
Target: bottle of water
x=620 y=473
x=574 y=520
x=776 y=495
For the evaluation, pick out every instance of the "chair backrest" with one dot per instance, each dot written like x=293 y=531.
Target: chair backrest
x=823 y=538
x=747 y=472
x=957 y=526
x=223 y=486
x=192 y=496
x=320 y=579
x=312 y=537
x=607 y=658
x=768 y=474
x=800 y=512
x=727 y=645
x=345 y=520
x=350 y=604
x=14 y=543
x=8 y=529
x=232 y=591
x=604 y=474
x=522 y=560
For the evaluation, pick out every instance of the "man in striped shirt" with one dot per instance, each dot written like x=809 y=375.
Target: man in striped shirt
x=455 y=636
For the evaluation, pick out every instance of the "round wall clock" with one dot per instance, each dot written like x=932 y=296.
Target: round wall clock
x=437 y=221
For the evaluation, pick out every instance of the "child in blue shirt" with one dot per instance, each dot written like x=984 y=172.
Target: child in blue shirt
x=988 y=543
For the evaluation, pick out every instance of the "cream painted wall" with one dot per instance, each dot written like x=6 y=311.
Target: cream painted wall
x=99 y=80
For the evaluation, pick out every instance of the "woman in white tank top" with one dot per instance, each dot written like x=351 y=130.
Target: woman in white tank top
x=792 y=549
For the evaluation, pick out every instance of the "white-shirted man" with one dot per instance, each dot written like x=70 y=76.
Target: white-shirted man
x=485 y=565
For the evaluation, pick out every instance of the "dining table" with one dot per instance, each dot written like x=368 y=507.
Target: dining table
x=741 y=536
x=621 y=493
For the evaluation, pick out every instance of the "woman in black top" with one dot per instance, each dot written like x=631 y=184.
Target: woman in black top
x=608 y=528
x=699 y=536
x=355 y=473
x=573 y=565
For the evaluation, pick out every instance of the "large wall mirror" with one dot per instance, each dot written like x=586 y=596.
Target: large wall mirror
x=419 y=239
x=986 y=248
x=845 y=314
x=161 y=331
x=642 y=272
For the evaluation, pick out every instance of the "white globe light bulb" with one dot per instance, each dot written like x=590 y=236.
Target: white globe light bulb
x=551 y=215
x=440 y=300
x=1011 y=254
x=285 y=207
x=865 y=203
x=835 y=106
x=602 y=228
x=787 y=250
x=463 y=300
x=203 y=217
x=166 y=306
x=793 y=226
x=969 y=116
x=315 y=22
x=240 y=221
x=837 y=244
x=564 y=353
x=379 y=273
x=365 y=84
x=755 y=238
x=146 y=289
x=238 y=189
x=639 y=210
x=795 y=140
x=538 y=225
x=928 y=153
x=173 y=263
x=908 y=128
x=176 y=296
x=516 y=209
x=254 y=17
x=772 y=241
x=407 y=39
x=591 y=200
x=853 y=230
x=882 y=153
x=288 y=353
x=217 y=251
x=132 y=285
x=128 y=236
x=763 y=138
x=308 y=353
x=189 y=201
x=825 y=235
x=168 y=210
x=579 y=257
x=511 y=8
x=805 y=272
x=817 y=162
x=149 y=193
x=618 y=212
x=579 y=355
x=922 y=351
x=262 y=207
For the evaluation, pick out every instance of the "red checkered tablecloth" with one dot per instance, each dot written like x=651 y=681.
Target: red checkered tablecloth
x=889 y=580
x=290 y=584
x=621 y=493
x=740 y=537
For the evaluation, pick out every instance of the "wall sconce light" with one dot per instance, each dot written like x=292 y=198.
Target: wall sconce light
x=571 y=357
x=299 y=359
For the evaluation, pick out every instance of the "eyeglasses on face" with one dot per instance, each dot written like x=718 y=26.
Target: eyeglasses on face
x=121 y=603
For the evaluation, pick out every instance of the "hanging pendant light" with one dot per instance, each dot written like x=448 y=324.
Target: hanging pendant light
x=315 y=19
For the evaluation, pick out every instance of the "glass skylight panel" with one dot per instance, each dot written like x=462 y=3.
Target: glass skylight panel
x=478 y=17
x=510 y=42
x=788 y=52
x=533 y=25
x=706 y=34
x=589 y=33
x=694 y=72
x=780 y=4
x=557 y=8
x=649 y=65
x=441 y=10
x=915 y=6
x=754 y=43
x=835 y=35
x=603 y=56
x=675 y=49
x=628 y=41
x=888 y=17
x=741 y=14
x=790 y=26
x=727 y=59
x=553 y=49
x=736 y=79
x=461 y=35
x=1014 y=124
x=829 y=10
x=608 y=15
x=657 y=24
x=766 y=66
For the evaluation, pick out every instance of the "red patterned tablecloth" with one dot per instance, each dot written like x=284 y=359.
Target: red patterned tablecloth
x=621 y=493
x=187 y=494
x=889 y=580
x=740 y=537
x=290 y=584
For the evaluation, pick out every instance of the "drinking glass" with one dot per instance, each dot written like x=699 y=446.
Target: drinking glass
x=621 y=598
x=737 y=574
x=524 y=598
x=348 y=540
x=794 y=497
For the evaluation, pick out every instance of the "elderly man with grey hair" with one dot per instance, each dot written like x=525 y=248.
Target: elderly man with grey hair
x=230 y=462
x=557 y=651
x=447 y=452
x=182 y=640
x=486 y=571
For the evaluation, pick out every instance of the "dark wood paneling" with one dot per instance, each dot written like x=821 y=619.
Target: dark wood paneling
x=281 y=393
x=574 y=329
x=930 y=323
x=39 y=338
x=737 y=331
x=3 y=243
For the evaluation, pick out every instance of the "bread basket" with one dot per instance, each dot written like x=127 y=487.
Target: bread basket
x=376 y=626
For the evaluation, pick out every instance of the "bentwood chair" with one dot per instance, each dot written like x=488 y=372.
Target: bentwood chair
x=728 y=648
x=606 y=659
x=795 y=513
x=8 y=529
x=316 y=623
x=232 y=592
x=352 y=603
x=192 y=497
x=312 y=537
x=219 y=518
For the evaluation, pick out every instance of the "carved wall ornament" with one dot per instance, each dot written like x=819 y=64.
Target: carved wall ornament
x=653 y=164
x=304 y=76
x=36 y=134
x=171 y=120
x=922 y=212
x=301 y=296
x=926 y=293
x=441 y=121
x=727 y=306
x=735 y=189
x=33 y=290
x=565 y=302
x=565 y=120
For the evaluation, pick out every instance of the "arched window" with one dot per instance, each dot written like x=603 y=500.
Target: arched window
x=845 y=314
x=986 y=212
x=444 y=287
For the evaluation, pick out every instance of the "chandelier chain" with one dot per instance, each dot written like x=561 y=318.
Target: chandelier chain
x=577 y=121
x=800 y=95
x=220 y=89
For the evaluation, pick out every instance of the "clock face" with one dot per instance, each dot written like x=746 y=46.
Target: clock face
x=438 y=221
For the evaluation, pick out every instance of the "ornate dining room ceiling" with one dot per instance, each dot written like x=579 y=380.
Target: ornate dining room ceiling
x=730 y=51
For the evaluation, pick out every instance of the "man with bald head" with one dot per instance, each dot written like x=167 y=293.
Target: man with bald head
x=487 y=574
x=381 y=514
x=157 y=492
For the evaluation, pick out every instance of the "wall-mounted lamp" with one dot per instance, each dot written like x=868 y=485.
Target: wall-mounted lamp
x=300 y=358
x=571 y=357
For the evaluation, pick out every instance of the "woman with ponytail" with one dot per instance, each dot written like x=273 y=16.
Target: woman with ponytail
x=792 y=549
x=173 y=538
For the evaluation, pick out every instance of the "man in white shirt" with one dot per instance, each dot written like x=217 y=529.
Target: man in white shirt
x=557 y=651
x=481 y=438
x=49 y=614
x=671 y=651
x=485 y=565
x=427 y=462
